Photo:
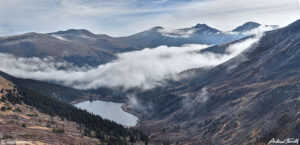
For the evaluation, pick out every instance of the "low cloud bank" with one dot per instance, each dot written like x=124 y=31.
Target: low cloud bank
x=144 y=69
x=259 y=30
x=186 y=33
x=177 y=32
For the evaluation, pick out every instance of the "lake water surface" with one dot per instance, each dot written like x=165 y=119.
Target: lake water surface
x=109 y=110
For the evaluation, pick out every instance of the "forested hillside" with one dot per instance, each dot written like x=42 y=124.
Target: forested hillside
x=95 y=127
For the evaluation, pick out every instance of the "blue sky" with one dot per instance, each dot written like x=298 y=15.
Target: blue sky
x=125 y=17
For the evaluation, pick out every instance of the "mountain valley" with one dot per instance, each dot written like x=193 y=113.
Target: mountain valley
x=249 y=99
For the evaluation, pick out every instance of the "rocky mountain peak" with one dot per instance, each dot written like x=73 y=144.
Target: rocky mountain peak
x=205 y=28
x=75 y=32
x=247 y=27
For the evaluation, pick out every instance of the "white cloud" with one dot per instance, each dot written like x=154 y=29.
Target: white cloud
x=119 y=17
x=135 y=104
x=144 y=69
x=59 y=37
x=185 y=33
x=258 y=30
x=177 y=32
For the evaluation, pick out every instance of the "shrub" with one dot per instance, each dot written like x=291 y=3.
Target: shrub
x=7 y=137
x=18 y=110
x=23 y=125
x=3 y=108
x=58 y=130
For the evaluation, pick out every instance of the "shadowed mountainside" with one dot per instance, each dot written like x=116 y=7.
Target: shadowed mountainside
x=249 y=99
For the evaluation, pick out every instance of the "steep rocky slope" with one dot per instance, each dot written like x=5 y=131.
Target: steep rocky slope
x=249 y=99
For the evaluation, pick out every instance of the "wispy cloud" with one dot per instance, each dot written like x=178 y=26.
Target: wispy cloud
x=119 y=17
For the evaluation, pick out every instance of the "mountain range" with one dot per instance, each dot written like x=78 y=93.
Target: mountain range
x=250 y=99
x=82 y=47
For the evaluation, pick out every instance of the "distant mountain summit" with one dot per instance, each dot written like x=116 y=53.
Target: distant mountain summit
x=247 y=27
x=75 y=32
x=156 y=28
x=198 y=34
x=205 y=28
